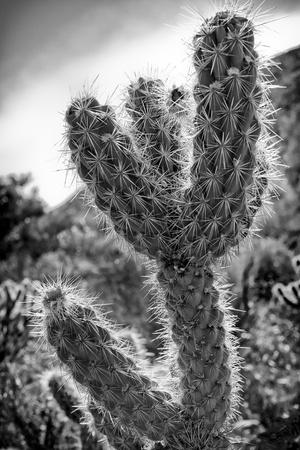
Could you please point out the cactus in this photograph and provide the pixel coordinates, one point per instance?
(185, 202)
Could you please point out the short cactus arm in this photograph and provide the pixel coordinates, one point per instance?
(119, 179)
(156, 130)
(109, 375)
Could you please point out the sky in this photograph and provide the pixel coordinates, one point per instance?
(51, 50)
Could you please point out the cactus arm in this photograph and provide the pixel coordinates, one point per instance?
(119, 180)
(226, 132)
(156, 131)
(110, 377)
(68, 401)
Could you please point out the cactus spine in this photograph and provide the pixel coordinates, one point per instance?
(138, 178)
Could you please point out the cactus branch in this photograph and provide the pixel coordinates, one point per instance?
(120, 181)
(110, 376)
(156, 131)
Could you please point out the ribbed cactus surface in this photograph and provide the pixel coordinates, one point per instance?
(184, 201)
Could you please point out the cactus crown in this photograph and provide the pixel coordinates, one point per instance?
(184, 201)
(167, 193)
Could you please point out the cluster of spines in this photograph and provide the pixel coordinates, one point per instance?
(155, 129)
(122, 183)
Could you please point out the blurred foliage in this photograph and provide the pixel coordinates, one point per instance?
(290, 292)
(15, 207)
(14, 319)
(254, 272)
(285, 222)
(270, 346)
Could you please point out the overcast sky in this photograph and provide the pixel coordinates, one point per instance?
(49, 49)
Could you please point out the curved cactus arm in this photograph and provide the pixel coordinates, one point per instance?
(83, 342)
(156, 130)
(219, 205)
(121, 182)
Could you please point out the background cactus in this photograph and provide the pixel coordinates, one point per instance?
(185, 202)
(14, 322)
(270, 262)
(290, 293)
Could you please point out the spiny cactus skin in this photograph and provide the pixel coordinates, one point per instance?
(270, 262)
(184, 202)
(66, 397)
(85, 344)
(296, 264)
